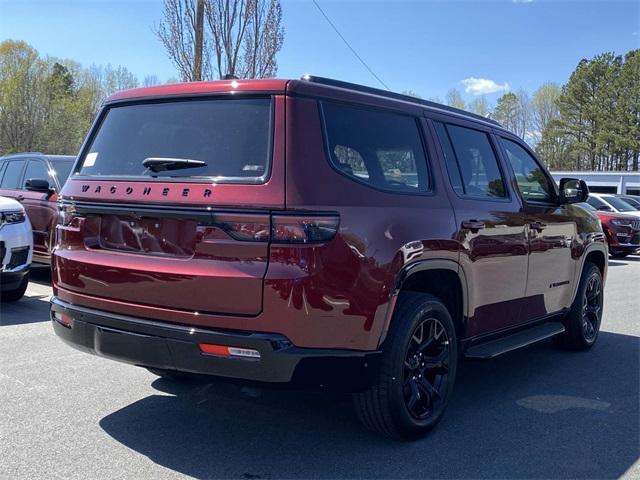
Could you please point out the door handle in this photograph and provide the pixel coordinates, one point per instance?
(19, 198)
(537, 226)
(473, 225)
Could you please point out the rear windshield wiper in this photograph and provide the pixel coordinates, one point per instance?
(161, 164)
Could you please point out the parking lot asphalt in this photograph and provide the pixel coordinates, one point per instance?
(537, 413)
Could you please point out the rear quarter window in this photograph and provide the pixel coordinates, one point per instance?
(378, 148)
(232, 136)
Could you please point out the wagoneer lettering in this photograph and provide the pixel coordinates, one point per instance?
(357, 239)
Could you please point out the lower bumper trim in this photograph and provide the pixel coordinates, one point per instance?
(154, 344)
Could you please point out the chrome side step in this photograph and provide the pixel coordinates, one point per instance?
(496, 347)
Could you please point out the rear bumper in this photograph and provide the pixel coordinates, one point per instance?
(155, 344)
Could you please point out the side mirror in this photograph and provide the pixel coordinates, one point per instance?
(573, 190)
(38, 185)
(605, 208)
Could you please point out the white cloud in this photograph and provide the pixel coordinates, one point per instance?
(480, 86)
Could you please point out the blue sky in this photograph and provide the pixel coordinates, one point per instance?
(425, 46)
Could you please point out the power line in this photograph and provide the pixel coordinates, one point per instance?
(350, 47)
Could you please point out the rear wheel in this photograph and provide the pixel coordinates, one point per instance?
(17, 293)
(582, 323)
(417, 371)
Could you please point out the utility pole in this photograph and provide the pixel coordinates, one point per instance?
(197, 56)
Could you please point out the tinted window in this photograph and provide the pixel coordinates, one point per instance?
(232, 136)
(379, 148)
(12, 174)
(532, 182)
(35, 170)
(471, 162)
(597, 203)
(620, 204)
(62, 170)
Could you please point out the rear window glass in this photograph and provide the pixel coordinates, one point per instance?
(382, 149)
(232, 136)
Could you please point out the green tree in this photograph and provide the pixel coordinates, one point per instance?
(506, 111)
(22, 99)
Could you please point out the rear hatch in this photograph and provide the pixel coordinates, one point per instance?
(169, 205)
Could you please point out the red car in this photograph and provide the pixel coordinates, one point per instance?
(34, 180)
(319, 233)
(622, 231)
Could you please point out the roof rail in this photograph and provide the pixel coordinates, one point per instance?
(398, 96)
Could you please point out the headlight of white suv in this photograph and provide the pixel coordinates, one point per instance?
(12, 217)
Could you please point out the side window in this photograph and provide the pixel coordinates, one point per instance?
(471, 162)
(12, 175)
(597, 203)
(533, 182)
(382, 149)
(35, 169)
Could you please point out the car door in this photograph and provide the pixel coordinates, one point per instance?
(491, 229)
(551, 229)
(12, 179)
(40, 211)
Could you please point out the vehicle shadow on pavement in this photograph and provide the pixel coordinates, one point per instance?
(540, 412)
(29, 309)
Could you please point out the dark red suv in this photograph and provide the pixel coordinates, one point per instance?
(319, 233)
(34, 179)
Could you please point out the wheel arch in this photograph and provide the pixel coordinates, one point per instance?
(442, 278)
(597, 254)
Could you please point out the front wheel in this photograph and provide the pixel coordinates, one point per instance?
(417, 371)
(582, 323)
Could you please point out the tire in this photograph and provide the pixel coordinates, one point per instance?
(390, 406)
(173, 375)
(17, 293)
(582, 323)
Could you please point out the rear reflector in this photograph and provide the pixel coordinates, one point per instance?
(64, 319)
(304, 228)
(225, 351)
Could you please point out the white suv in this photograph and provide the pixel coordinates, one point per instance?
(610, 203)
(16, 250)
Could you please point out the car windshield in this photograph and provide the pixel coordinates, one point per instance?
(619, 204)
(588, 206)
(62, 169)
(231, 136)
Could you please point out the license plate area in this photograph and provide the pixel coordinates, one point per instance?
(173, 237)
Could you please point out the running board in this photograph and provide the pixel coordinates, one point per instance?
(514, 341)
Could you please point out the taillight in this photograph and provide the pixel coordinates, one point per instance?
(248, 228)
(303, 228)
(66, 214)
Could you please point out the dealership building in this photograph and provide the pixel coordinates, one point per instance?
(606, 182)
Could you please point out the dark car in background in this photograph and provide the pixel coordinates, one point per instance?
(34, 179)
